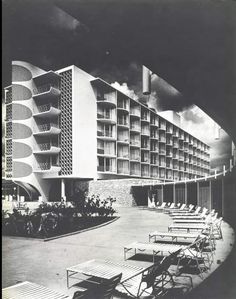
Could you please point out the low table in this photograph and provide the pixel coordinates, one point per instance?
(29, 290)
(104, 269)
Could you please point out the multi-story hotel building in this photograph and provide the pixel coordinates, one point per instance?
(67, 125)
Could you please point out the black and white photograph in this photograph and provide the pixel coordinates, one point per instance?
(118, 149)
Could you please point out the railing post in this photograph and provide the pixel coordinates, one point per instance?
(215, 173)
(223, 170)
(230, 165)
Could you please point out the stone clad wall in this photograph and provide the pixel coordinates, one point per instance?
(118, 189)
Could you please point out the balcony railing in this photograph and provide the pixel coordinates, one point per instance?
(135, 128)
(47, 127)
(106, 168)
(47, 146)
(122, 122)
(105, 134)
(145, 132)
(45, 166)
(135, 142)
(102, 151)
(123, 156)
(105, 116)
(106, 100)
(135, 111)
(162, 139)
(162, 152)
(135, 158)
(162, 164)
(123, 170)
(154, 149)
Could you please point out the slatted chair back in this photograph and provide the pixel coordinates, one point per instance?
(198, 209)
(160, 268)
(199, 243)
(183, 206)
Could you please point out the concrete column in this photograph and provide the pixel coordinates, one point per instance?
(63, 190)
(174, 197)
(198, 203)
(18, 193)
(210, 194)
(185, 194)
(162, 194)
(223, 197)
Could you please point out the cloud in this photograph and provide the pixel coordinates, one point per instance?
(125, 89)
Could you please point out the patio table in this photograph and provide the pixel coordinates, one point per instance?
(29, 290)
(104, 270)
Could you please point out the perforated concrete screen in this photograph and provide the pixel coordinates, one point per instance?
(65, 139)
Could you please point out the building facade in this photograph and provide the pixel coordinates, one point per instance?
(67, 126)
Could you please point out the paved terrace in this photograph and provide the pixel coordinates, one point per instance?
(45, 263)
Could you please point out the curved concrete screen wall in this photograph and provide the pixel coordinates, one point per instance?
(20, 73)
(21, 150)
(20, 131)
(20, 93)
(21, 169)
(20, 112)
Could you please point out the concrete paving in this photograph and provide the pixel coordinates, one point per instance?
(45, 263)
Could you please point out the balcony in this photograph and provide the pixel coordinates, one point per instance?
(47, 149)
(47, 167)
(106, 102)
(145, 132)
(162, 164)
(123, 170)
(162, 152)
(154, 136)
(169, 142)
(176, 167)
(134, 159)
(176, 157)
(181, 158)
(134, 112)
(154, 149)
(123, 107)
(106, 118)
(135, 143)
(169, 154)
(175, 145)
(107, 168)
(47, 130)
(46, 111)
(144, 118)
(162, 127)
(124, 156)
(154, 123)
(162, 139)
(186, 149)
(123, 123)
(106, 135)
(145, 147)
(169, 130)
(46, 92)
(135, 172)
(135, 128)
(169, 165)
(123, 140)
(103, 152)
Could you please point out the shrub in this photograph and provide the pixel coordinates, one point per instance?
(54, 218)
